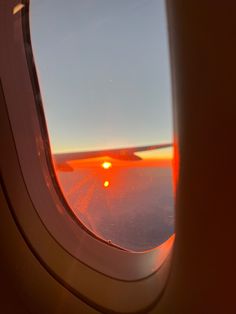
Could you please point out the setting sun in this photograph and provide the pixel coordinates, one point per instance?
(106, 165)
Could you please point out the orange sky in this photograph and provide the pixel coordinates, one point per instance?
(97, 162)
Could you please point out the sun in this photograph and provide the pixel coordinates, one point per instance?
(106, 165)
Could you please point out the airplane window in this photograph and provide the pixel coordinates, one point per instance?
(104, 73)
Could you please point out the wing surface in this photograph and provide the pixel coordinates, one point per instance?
(128, 153)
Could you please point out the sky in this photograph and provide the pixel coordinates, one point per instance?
(104, 72)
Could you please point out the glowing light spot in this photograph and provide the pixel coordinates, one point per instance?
(106, 184)
(18, 8)
(106, 165)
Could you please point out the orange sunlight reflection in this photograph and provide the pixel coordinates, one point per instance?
(115, 199)
(106, 165)
(106, 184)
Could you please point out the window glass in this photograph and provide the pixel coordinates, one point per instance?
(104, 73)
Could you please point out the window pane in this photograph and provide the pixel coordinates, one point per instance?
(103, 68)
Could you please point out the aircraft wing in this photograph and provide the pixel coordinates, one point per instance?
(128, 153)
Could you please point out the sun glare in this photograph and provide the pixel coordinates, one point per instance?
(106, 184)
(106, 165)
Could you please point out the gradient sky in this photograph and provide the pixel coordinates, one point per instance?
(103, 68)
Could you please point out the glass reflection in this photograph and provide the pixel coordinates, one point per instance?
(130, 204)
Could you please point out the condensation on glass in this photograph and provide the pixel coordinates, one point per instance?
(104, 73)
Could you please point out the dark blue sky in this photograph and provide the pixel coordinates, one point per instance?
(104, 72)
